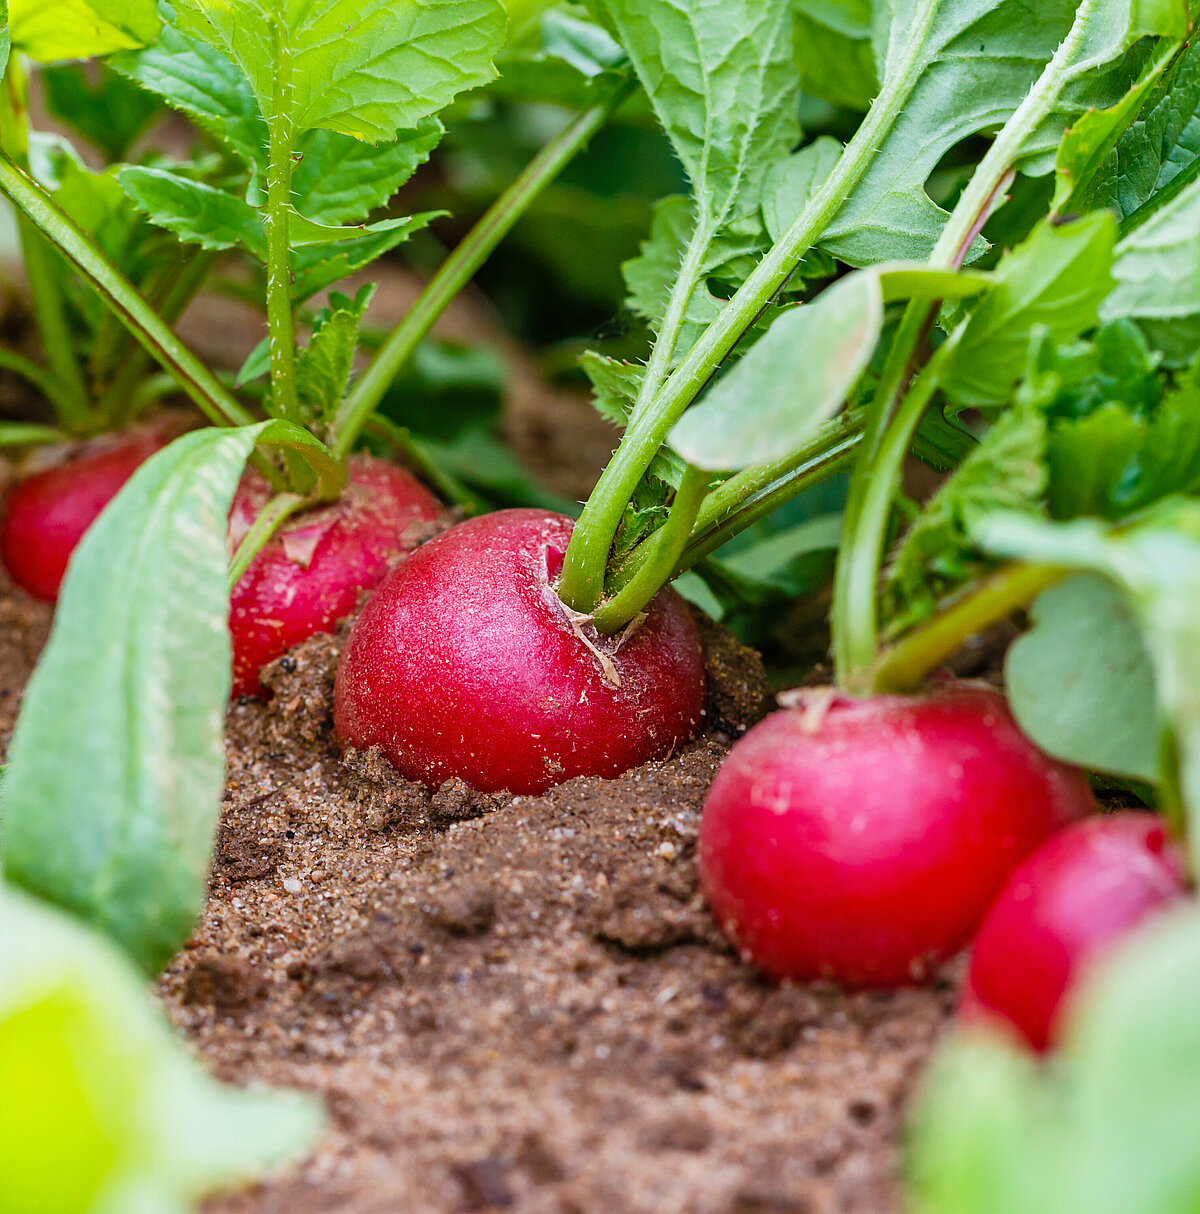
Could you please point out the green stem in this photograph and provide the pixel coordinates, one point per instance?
(70, 397)
(904, 665)
(193, 377)
(854, 616)
(462, 265)
(587, 555)
(273, 515)
(285, 401)
(744, 499)
(30, 434)
(878, 469)
(640, 584)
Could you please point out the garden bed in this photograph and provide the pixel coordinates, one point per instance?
(516, 1002)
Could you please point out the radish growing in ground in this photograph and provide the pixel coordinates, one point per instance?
(862, 839)
(464, 663)
(1061, 910)
(312, 571)
(47, 513)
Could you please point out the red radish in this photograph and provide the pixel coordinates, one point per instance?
(1062, 909)
(862, 840)
(465, 663)
(47, 513)
(312, 571)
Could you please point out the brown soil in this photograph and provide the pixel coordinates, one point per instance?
(515, 1003)
(521, 1003)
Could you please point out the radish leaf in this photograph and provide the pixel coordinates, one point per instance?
(80, 29)
(136, 674)
(1080, 682)
(101, 1107)
(366, 70)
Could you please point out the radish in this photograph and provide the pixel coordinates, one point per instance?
(1065, 906)
(464, 663)
(47, 513)
(312, 571)
(862, 840)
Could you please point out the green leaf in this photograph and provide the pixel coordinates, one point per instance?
(1157, 564)
(80, 29)
(101, 1107)
(794, 378)
(1157, 266)
(1088, 458)
(721, 79)
(197, 213)
(341, 180)
(1006, 471)
(791, 182)
(1056, 280)
(5, 37)
(564, 60)
(975, 62)
(1086, 152)
(318, 266)
(324, 365)
(615, 385)
(110, 114)
(1080, 682)
(366, 70)
(136, 675)
(1158, 154)
(198, 80)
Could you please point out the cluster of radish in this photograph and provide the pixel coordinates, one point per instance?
(859, 840)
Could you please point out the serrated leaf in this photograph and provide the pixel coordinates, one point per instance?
(1080, 682)
(80, 29)
(101, 1107)
(1088, 458)
(323, 366)
(136, 674)
(1156, 563)
(1086, 151)
(1157, 266)
(615, 385)
(341, 180)
(197, 79)
(794, 378)
(366, 70)
(720, 78)
(1158, 154)
(110, 114)
(1056, 281)
(938, 553)
(791, 182)
(318, 266)
(197, 213)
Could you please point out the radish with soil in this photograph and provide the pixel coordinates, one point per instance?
(1066, 906)
(47, 513)
(313, 570)
(464, 663)
(863, 839)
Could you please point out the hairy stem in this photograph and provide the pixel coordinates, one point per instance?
(587, 556)
(461, 266)
(282, 339)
